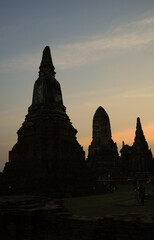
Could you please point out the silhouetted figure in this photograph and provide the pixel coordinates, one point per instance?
(137, 199)
(141, 195)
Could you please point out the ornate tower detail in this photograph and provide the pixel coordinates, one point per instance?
(47, 92)
(137, 159)
(102, 155)
(141, 158)
(47, 156)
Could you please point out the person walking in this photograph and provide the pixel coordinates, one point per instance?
(141, 195)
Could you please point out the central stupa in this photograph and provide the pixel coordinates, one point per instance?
(102, 153)
(47, 156)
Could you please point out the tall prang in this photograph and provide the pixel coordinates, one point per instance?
(137, 159)
(102, 154)
(47, 156)
(141, 158)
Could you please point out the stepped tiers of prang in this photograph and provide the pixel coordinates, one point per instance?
(47, 156)
(137, 159)
(103, 158)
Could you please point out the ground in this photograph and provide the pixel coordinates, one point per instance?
(121, 201)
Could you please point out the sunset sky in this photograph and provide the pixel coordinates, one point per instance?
(103, 52)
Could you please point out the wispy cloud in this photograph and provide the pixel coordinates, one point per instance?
(144, 21)
(95, 93)
(111, 94)
(139, 93)
(22, 62)
(131, 36)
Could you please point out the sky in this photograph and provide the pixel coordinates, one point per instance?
(103, 52)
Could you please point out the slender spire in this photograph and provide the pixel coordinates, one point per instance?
(46, 65)
(138, 127)
(140, 142)
(139, 130)
(47, 91)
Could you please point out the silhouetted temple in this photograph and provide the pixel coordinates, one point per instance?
(102, 154)
(47, 156)
(137, 160)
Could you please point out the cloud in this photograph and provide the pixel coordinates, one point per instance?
(113, 94)
(131, 36)
(94, 93)
(139, 93)
(26, 61)
(149, 20)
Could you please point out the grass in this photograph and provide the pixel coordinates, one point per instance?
(110, 203)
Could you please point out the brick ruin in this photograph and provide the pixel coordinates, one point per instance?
(137, 160)
(47, 161)
(47, 156)
(103, 158)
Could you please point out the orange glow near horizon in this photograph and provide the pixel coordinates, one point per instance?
(126, 135)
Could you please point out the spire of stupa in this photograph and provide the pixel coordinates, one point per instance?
(138, 125)
(47, 158)
(140, 141)
(46, 65)
(47, 91)
(102, 153)
(139, 131)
